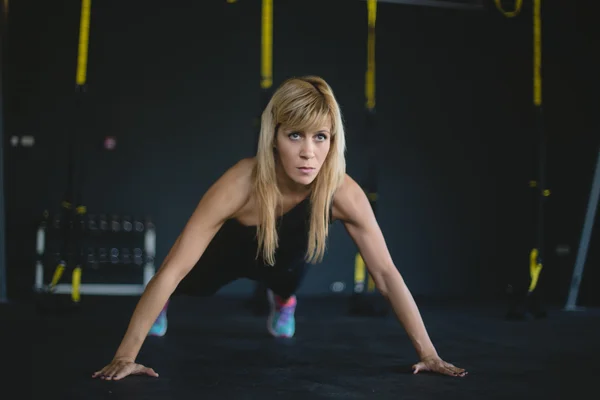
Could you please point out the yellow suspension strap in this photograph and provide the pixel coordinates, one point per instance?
(360, 271)
(74, 215)
(370, 107)
(258, 300)
(266, 60)
(361, 275)
(81, 80)
(536, 254)
(266, 70)
(84, 35)
(510, 14)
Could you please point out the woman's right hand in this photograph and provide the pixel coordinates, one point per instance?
(120, 368)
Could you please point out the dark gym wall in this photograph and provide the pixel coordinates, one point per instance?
(571, 102)
(178, 87)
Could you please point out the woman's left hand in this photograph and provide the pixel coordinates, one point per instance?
(436, 364)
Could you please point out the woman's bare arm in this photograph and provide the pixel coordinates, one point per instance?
(222, 200)
(352, 207)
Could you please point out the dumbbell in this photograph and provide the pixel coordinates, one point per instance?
(138, 256)
(115, 223)
(138, 226)
(127, 225)
(103, 223)
(126, 256)
(92, 261)
(92, 224)
(114, 255)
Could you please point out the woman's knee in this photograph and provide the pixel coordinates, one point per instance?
(285, 281)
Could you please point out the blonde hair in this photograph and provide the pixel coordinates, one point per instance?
(299, 103)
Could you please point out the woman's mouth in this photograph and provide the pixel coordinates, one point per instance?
(306, 170)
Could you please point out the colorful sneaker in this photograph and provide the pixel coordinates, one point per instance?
(281, 321)
(159, 328)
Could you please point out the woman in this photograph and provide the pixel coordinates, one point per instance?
(267, 218)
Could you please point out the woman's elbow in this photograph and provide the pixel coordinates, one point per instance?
(175, 268)
(169, 277)
(383, 279)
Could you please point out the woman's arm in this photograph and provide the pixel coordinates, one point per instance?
(352, 207)
(223, 200)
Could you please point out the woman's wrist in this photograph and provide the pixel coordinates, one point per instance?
(425, 353)
(124, 358)
(129, 348)
(429, 356)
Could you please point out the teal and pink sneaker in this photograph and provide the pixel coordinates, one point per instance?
(281, 321)
(159, 328)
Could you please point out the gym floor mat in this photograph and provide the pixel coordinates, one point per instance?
(216, 349)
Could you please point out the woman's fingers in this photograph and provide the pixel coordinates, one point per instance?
(456, 370)
(446, 370)
(110, 372)
(133, 369)
(148, 371)
(450, 369)
(103, 373)
(99, 373)
(122, 373)
(114, 369)
(440, 367)
(117, 370)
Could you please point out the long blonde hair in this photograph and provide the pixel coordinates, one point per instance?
(300, 103)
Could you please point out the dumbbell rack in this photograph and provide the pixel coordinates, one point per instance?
(110, 267)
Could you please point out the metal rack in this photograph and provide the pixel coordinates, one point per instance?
(110, 267)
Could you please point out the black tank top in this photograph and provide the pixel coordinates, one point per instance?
(237, 244)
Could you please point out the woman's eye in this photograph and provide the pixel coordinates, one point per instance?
(294, 135)
(321, 137)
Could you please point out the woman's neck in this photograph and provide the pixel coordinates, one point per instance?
(288, 187)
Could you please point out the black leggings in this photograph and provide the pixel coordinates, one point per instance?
(206, 279)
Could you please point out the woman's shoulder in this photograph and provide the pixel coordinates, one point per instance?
(243, 169)
(348, 200)
(347, 189)
(238, 177)
(233, 190)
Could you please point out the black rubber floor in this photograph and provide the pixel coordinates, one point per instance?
(216, 349)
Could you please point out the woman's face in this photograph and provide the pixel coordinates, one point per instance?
(302, 154)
